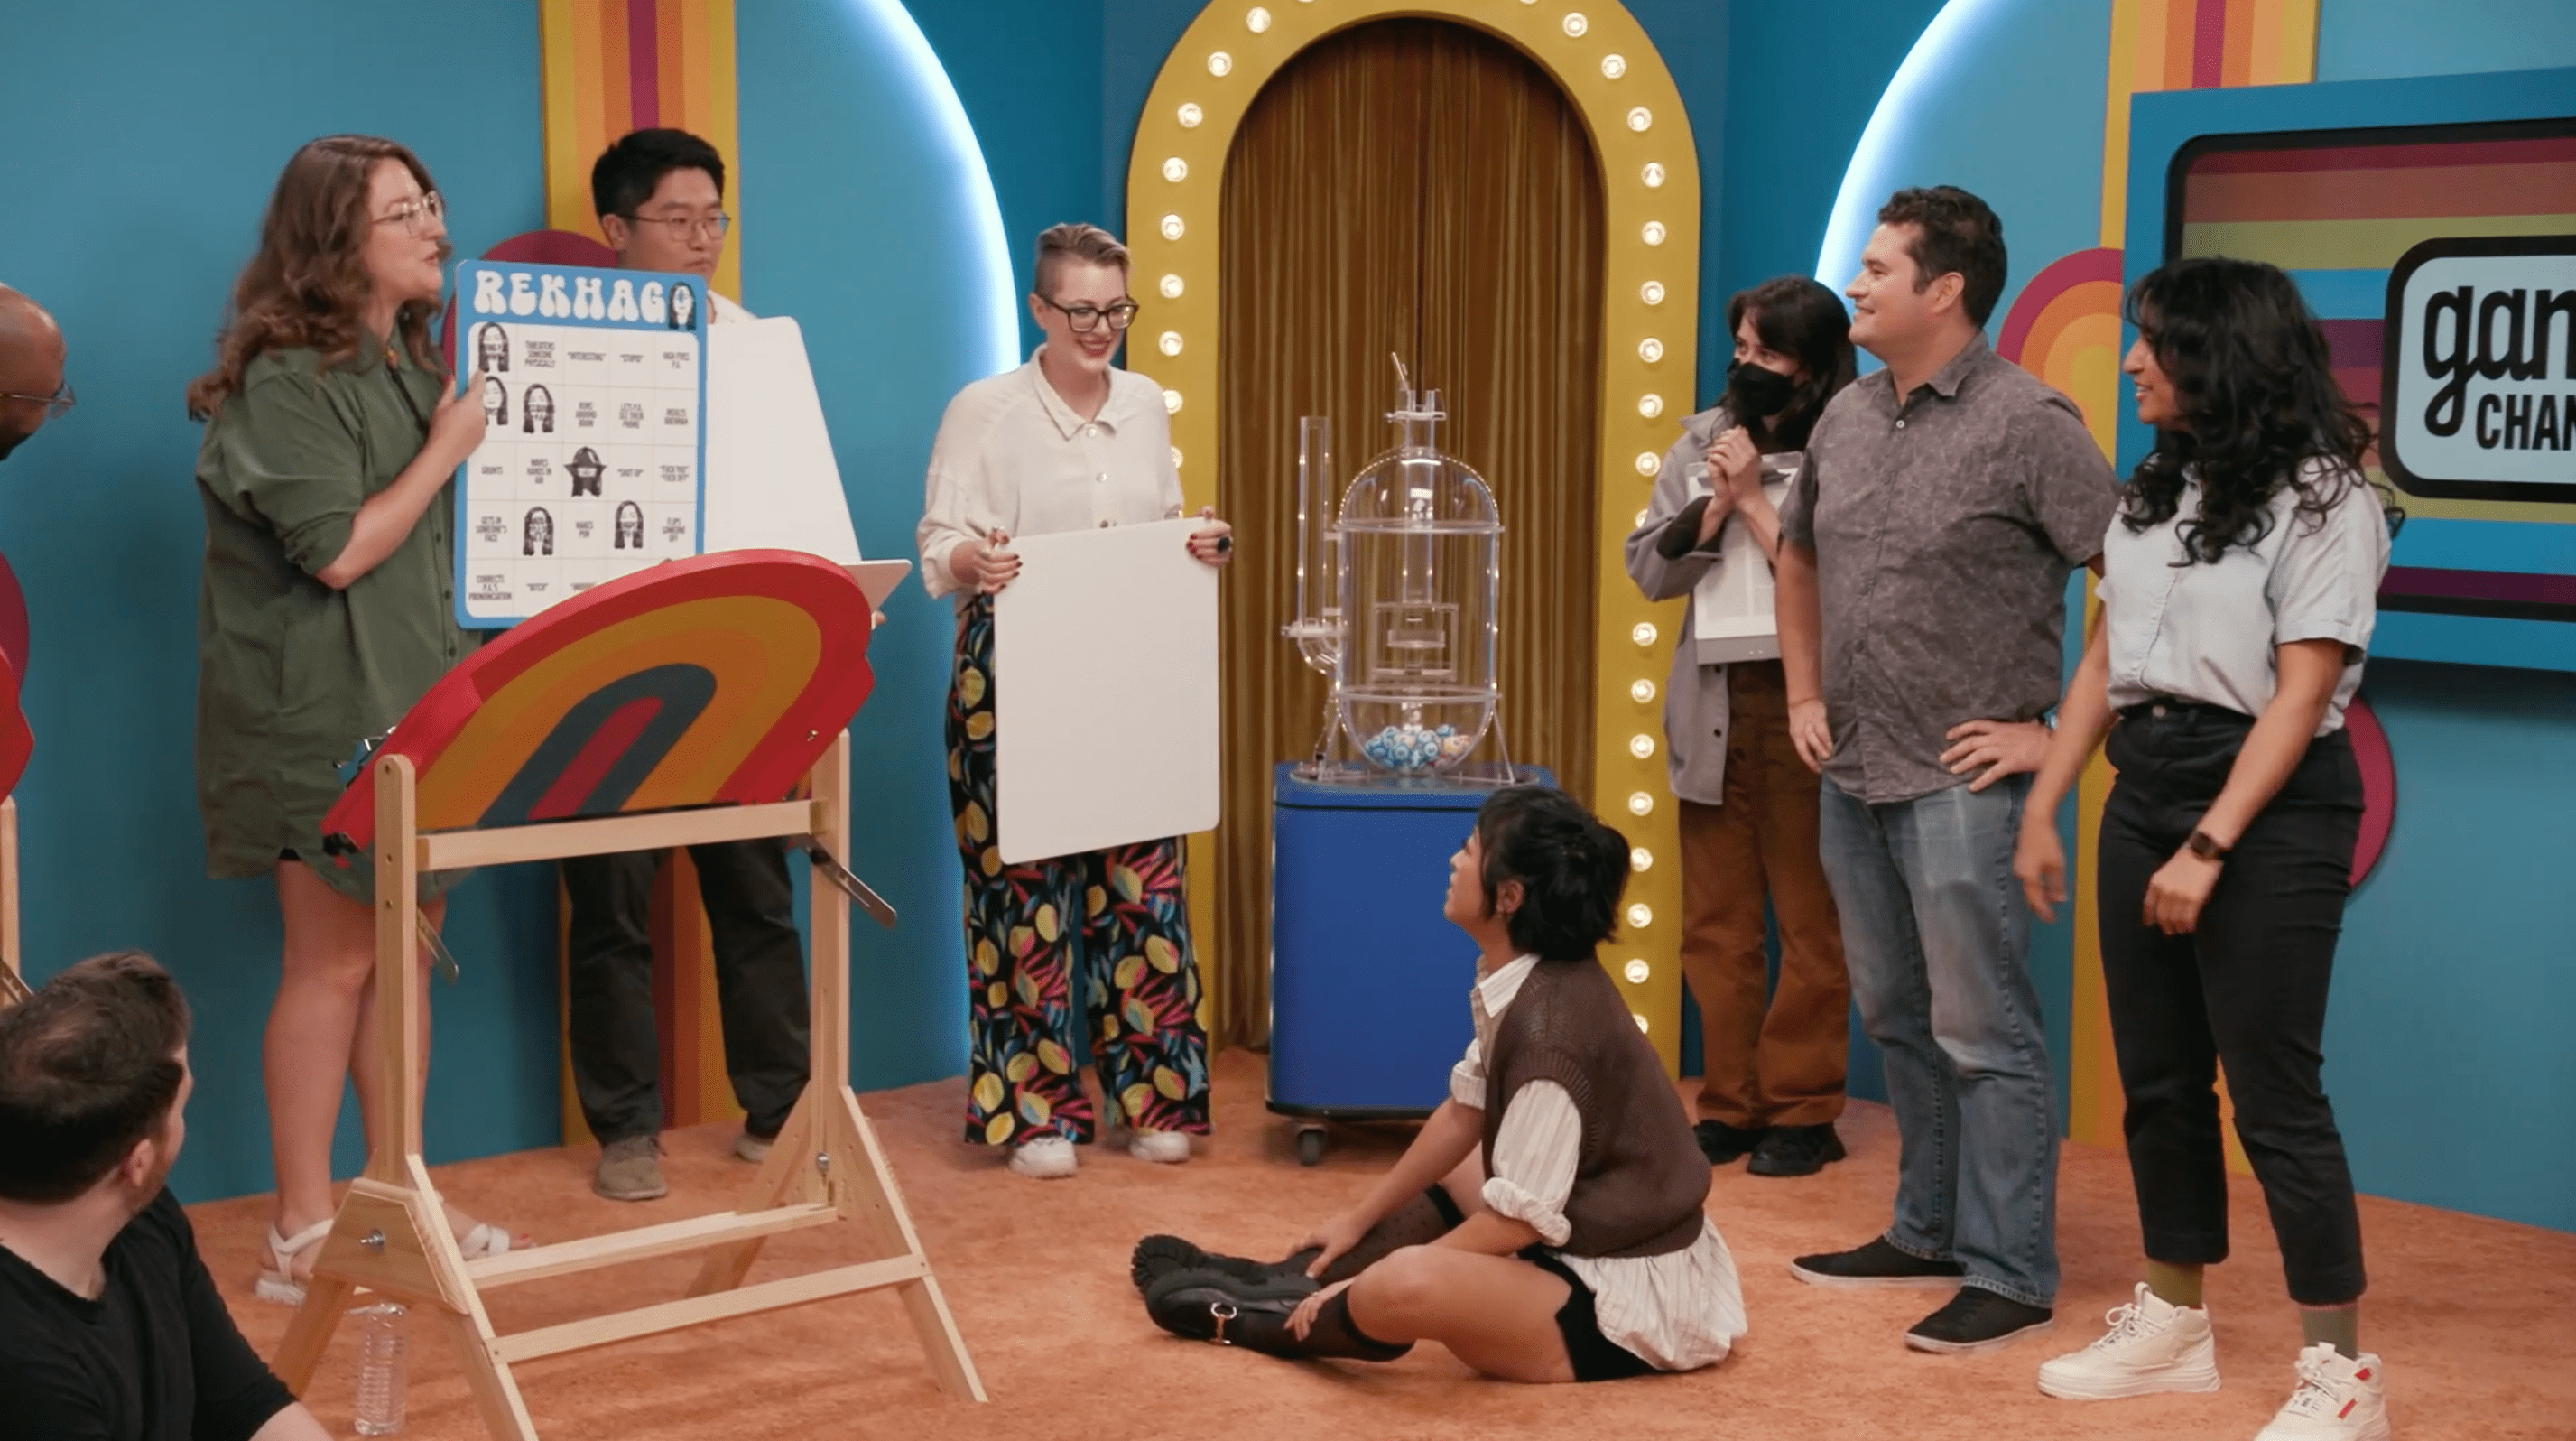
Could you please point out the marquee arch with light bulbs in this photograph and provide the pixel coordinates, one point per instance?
(1599, 56)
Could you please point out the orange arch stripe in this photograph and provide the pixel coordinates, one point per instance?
(591, 96)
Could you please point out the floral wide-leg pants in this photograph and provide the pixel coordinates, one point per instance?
(1114, 923)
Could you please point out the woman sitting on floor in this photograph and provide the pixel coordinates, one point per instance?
(1546, 1224)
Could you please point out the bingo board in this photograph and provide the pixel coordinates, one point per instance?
(593, 387)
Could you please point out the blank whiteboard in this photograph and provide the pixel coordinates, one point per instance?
(1104, 692)
(772, 483)
(1732, 606)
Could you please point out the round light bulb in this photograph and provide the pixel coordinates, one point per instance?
(1172, 228)
(1256, 19)
(1171, 402)
(1169, 343)
(1650, 350)
(1613, 66)
(1652, 292)
(1640, 1018)
(1649, 464)
(1644, 634)
(1640, 915)
(1642, 692)
(1575, 24)
(1640, 859)
(1176, 457)
(1220, 63)
(1641, 119)
(1637, 971)
(1171, 287)
(1653, 175)
(1640, 520)
(1650, 405)
(1176, 169)
(1640, 803)
(1653, 234)
(1191, 115)
(1641, 745)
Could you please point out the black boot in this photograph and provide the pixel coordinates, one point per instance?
(1158, 1256)
(1210, 1306)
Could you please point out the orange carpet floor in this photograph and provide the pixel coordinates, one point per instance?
(2471, 1315)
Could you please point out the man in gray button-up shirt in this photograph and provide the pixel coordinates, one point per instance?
(1925, 552)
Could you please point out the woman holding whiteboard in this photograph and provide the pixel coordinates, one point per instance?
(1772, 1074)
(325, 611)
(1066, 442)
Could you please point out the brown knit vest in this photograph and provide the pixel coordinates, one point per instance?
(1640, 1180)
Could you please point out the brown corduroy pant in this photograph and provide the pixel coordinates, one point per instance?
(1781, 1064)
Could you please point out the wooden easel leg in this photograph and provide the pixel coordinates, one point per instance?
(309, 1334)
(496, 1393)
(787, 1178)
(864, 1186)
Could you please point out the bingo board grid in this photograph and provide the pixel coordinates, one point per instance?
(590, 466)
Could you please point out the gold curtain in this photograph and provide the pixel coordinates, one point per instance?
(1416, 188)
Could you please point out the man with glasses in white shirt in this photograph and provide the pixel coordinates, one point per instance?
(32, 390)
(660, 199)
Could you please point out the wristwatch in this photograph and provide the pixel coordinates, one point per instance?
(2204, 846)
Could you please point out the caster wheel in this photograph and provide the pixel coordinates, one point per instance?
(1310, 1145)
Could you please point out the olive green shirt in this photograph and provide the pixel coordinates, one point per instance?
(292, 674)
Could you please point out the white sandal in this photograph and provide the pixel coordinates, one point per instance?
(481, 1240)
(277, 1283)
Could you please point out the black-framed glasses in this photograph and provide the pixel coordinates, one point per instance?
(417, 217)
(1087, 318)
(55, 404)
(681, 227)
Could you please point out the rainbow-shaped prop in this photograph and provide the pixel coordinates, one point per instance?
(717, 679)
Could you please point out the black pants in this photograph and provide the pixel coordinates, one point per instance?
(2247, 991)
(760, 984)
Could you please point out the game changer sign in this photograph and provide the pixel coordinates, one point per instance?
(2478, 388)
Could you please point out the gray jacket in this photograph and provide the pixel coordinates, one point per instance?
(1695, 708)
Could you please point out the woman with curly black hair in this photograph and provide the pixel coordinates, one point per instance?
(2238, 596)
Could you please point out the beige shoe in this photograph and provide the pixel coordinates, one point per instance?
(754, 1149)
(631, 1170)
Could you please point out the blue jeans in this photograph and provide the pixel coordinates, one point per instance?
(1937, 934)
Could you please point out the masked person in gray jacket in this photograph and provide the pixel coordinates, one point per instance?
(1772, 1075)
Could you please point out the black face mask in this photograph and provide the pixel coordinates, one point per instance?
(1756, 393)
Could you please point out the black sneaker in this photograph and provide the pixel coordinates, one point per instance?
(1876, 1264)
(1723, 1143)
(1976, 1320)
(1796, 1150)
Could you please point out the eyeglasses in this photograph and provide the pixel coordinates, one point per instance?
(55, 404)
(683, 226)
(418, 217)
(1086, 318)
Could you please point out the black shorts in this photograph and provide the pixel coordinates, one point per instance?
(1596, 1357)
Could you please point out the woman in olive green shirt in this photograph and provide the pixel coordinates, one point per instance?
(325, 610)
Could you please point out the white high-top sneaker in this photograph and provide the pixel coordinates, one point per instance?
(2152, 1346)
(2338, 1399)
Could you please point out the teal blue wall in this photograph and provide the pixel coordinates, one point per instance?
(148, 136)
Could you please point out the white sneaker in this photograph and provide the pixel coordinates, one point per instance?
(2339, 1399)
(1048, 1158)
(2153, 1346)
(1163, 1148)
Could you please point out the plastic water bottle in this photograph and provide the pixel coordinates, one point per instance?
(380, 1368)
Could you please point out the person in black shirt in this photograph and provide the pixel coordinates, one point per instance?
(110, 1328)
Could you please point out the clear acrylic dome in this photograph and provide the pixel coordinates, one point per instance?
(1420, 556)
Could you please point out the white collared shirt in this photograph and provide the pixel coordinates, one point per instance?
(1012, 456)
(721, 308)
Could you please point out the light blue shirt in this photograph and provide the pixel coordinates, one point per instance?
(2206, 632)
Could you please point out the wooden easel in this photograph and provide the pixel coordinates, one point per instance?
(391, 1234)
(13, 974)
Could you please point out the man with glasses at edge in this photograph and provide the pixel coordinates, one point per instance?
(660, 199)
(32, 390)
